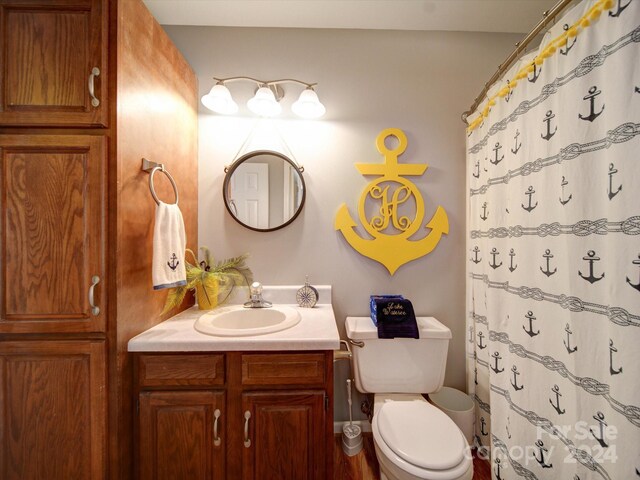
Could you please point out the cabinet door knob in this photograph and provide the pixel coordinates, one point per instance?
(216, 439)
(95, 310)
(95, 72)
(247, 441)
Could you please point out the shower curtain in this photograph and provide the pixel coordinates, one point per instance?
(553, 237)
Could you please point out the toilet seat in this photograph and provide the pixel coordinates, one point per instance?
(421, 440)
(421, 434)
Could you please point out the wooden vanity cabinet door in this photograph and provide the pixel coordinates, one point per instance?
(53, 410)
(48, 51)
(176, 435)
(287, 434)
(52, 233)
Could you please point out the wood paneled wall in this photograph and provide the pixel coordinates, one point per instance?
(156, 118)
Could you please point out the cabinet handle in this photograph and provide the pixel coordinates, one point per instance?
(95, 72)
(247, 441)
(95, 310)
(216, 439)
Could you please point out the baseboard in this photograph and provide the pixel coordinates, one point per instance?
(363, 424)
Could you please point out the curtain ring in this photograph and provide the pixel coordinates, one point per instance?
(151, 187)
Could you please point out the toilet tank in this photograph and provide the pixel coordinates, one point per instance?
(399, 365)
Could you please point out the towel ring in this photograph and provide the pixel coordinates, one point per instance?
(173, 183)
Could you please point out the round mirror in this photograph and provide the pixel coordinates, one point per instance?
(264, 190)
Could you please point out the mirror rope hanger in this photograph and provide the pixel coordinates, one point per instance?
(247, 146)
(265, 102)
(242, 150)
(288, 150)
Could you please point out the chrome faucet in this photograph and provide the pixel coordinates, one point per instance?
(255, 297)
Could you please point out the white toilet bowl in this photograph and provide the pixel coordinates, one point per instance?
(415, 440)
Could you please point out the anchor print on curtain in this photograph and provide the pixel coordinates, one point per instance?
(553, 255)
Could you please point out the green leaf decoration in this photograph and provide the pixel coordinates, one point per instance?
(229, 273)
(174, 299)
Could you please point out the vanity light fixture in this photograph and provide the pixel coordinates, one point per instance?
(308, 105)
(219, 100)
(266, 100)
(264, 103)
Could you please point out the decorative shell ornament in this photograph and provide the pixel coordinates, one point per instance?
(307, 296)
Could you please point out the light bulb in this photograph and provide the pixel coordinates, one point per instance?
(219, 100)
(308, 105)
(264, 103)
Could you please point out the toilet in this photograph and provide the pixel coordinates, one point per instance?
(413, 439)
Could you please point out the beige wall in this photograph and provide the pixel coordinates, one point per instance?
(369, 80)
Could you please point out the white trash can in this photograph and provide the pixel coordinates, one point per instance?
(459, 406)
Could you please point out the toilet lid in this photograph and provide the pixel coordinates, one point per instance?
(421, 434)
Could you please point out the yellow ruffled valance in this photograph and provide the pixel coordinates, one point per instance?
(574, 30)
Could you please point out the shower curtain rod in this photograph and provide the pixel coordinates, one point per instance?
(547, 17)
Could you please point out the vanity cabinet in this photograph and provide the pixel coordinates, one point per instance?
(181, 425)
(262, 416)
(54, 63)
(285, 435)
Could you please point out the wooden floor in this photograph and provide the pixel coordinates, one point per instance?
(364, 465)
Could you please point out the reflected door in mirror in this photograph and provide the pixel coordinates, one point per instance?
(250, 194)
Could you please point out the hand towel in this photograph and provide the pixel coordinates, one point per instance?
(396, 319)
(169, 245)
(373, 307)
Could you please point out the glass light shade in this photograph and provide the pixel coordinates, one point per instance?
(308, 105)
(219, 100)
(264, 103)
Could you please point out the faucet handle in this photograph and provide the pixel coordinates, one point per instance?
(255, 297)
(256, 288)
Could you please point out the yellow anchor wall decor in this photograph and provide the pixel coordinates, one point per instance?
(389, 192)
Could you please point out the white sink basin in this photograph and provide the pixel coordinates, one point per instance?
(237, 321)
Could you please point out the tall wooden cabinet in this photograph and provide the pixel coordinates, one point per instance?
(80, 85)
(53, 409)
(54, 205)
(55, 62)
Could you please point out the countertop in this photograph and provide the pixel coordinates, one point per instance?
(316, 330)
